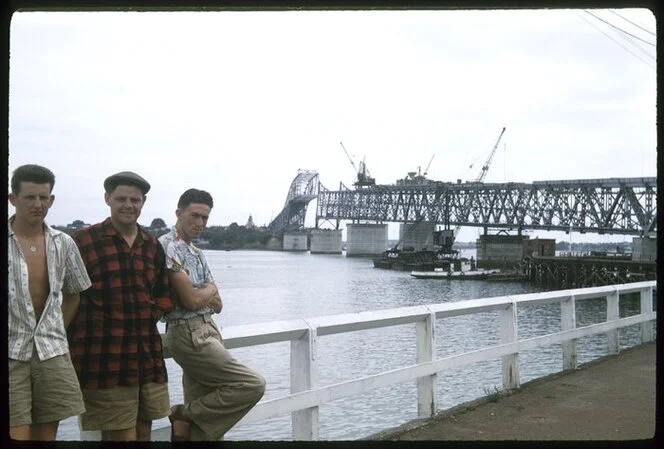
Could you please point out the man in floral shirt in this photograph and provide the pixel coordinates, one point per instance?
(218, 390)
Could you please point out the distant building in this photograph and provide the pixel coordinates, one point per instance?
(250, 223)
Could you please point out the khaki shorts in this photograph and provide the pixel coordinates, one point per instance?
(119, 408)
(43, 391)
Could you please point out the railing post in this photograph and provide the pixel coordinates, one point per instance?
(88, 435)
(646, 307)
(613, 313)
(568, 322)
(508, 334)
(426, 350)
(303, 377)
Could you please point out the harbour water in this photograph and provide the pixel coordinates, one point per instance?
(263, 286)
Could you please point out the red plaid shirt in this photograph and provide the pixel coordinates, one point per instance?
(113, 339)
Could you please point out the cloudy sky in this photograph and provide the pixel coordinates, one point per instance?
(236, 102)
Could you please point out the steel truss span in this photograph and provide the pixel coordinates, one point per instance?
(303, 189)
(606, 206)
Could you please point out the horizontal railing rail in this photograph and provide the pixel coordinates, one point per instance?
(306, 397)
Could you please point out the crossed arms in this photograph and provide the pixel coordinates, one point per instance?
(192, 298)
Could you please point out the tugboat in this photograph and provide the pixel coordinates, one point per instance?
(409, 259)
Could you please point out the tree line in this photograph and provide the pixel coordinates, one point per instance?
(229, 237)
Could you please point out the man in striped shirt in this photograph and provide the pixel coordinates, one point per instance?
(46, 275)
(115, 344)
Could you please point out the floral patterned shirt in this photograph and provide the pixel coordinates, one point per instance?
(183, 256)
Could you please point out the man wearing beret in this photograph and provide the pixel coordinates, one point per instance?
(114, 341)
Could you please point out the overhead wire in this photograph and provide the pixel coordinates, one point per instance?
(618, 28)
(635, 44)
(625, 48)
(636, 25)
(631, 41)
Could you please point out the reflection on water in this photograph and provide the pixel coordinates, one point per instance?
(267, 286)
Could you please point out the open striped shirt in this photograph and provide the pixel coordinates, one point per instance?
(114, 339)
(66, 273)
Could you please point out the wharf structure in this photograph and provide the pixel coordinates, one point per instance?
(588, 270)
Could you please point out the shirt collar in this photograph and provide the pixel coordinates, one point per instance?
(47, 228)
(110, 230)
(177, 237)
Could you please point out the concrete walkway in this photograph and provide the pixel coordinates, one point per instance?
(609, 399)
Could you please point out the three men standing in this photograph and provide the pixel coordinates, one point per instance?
(116, 377)
(46, 276)
(218, 390)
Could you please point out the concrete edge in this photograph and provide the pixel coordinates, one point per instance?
(471, 405)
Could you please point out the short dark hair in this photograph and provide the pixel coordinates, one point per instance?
(195, 196)
(32, 173)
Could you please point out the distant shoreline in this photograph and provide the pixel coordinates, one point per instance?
(237, 237)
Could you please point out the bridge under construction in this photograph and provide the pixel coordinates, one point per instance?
(623, 206)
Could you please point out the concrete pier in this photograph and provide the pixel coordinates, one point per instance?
(363, 240)
(295, 241)
(326, 241)
(418, 236)
(644, 248)
(273, 244)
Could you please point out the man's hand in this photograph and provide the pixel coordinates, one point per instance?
(216, 304)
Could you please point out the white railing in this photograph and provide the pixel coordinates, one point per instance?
(306, 397)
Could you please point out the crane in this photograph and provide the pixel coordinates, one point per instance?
(363, 177)
(487, 164)
(426, 170)
(348, 155)
(445, 237)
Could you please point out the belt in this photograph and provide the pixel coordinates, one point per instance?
(207, 318)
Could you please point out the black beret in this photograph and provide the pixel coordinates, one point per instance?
(126, 178)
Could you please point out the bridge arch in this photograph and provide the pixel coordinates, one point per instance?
(303, 189)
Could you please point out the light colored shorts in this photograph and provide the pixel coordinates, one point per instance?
(120, 407)
(43, 391)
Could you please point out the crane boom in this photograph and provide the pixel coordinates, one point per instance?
(348, 156)
(480, 177)
(487, 164)
(426, 170)
(364, 179)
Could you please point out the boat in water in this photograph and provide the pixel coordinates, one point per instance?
(465, 275)
(440, 255)
(409, 260)
(462, 269)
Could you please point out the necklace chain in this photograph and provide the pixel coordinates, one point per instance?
(33, 246)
